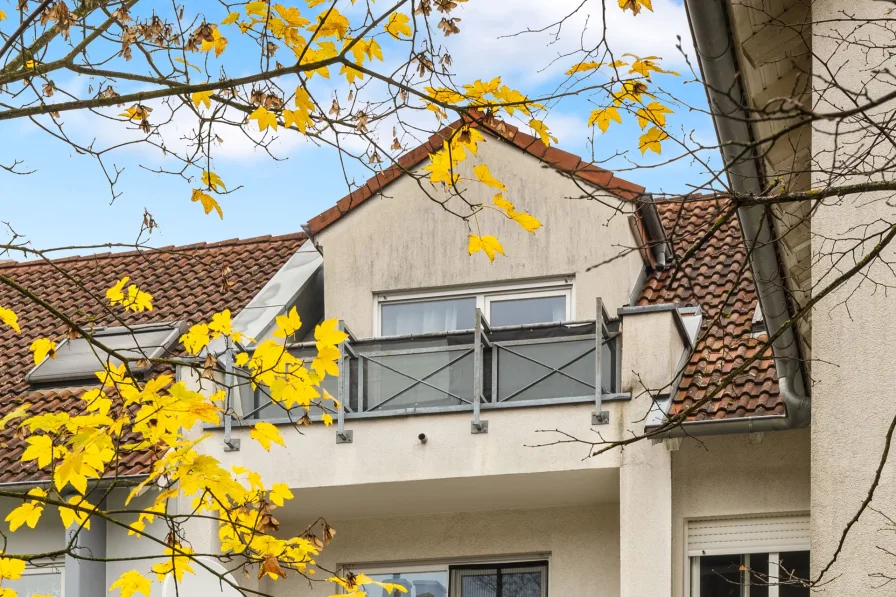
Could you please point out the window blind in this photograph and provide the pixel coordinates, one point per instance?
(748, 534)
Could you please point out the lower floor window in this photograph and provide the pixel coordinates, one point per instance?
(776, 574)
(518, 579)
(38, 581)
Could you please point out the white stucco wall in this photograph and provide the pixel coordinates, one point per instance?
(729, 476)
(581, 544)
(402, 240)
(852, 403)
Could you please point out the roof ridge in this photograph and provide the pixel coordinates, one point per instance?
(268, 238)
(561, 160)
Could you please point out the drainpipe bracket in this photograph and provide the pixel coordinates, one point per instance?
(346, 437)
(233, 445)
(600, 419)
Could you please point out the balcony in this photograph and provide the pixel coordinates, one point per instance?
(476, 370)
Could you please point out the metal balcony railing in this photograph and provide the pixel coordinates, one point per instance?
(468, 370)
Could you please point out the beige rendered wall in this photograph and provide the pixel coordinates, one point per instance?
(403, 240)
(581, 544)
(852, 400)
(730, 476)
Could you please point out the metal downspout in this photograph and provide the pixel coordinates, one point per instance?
(713, 43)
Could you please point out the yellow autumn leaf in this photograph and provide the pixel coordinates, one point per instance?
(16, 413)
(486, 178)
(327, 333)
(327, 419)
(542, 131)
(11, 569)
(487, 244)
(635, 5)
(208, 202)
(72, 516)
(231, 18)
(2, 15)
(265, 434)
(651, 140)
(288, 324)
(212, 180)
(43, 348)
(264, 118)
(527, 221)
(398, 25)
(218, 43)
(132, 582)
(202, 97)
(27, 514)
(587, 66)
(331, 23)
(257, 8)
(654, 113)
(280, 493)
(40, 448)
(9, 317)
(196, 338)
(603, 117)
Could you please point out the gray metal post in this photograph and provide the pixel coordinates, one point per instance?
(478, 425)
(343, 392)
(231, 444)
(85, 578)
(599, 416)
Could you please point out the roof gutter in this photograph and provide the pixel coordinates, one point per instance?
(655, 230)
(714, 45)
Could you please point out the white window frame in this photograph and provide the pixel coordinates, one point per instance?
(773, 571)
(484, 296)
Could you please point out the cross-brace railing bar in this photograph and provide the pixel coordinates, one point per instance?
(421, 380)
(552, 371)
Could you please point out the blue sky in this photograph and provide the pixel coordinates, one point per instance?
(67, 200)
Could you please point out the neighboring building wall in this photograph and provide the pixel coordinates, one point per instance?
(730, 476)
(581, 544)
(403, 240)
(853, 345)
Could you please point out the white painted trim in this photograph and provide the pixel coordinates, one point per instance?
(484, 295)
(442, 564)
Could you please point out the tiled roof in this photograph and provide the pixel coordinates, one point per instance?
(552, 156)
(188, 283)
(718, 279)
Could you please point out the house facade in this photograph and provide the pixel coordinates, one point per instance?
(466, 456)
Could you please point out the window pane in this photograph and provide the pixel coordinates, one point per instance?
(758, 573)
(527, 310)
(421, 317)
(43, 583)
(519, 580)
(523, 582)
(793, 569)
(418, 584)
(720, 576)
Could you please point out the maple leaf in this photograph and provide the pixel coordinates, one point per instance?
(202, 97)
(330, 23)
(398, 25)
(271, 567)
(11, 569)
(587, 66)
(280, 493)
(208, 202)
(651, 140)
(218, 43)
(603, 117)
(327, 419)
(527, 221)
(543, 132)
(196, 338)
(327, 333)
(488, 244)
(42, 348)
(27, 514)
(654, 112)
(212, 180)
(132, 582)
(644, 66)
(486, 178)
(635, 5)
(288, 324)
(72, 516)
(9, 317)
(231, 18)
(264, 118)
(264, 434)
(2, 15)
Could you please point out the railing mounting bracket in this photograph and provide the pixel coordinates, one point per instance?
(345, 437)
(233, 445)
(481, 427)
(600, 419)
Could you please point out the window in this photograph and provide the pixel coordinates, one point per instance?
(519, 579)
(78, 360)
(544, 302)
(38, 581)
(758, 556)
